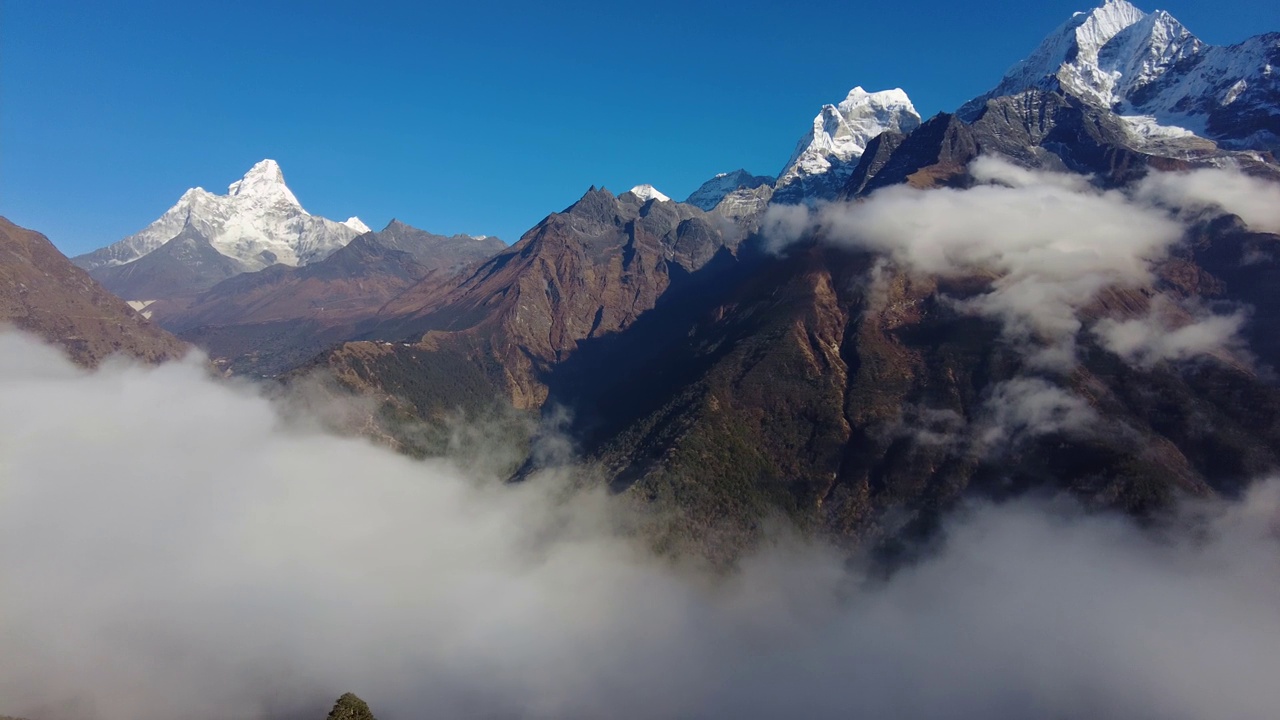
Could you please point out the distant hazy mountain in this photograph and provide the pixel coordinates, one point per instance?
(258, 223)
(280, 316)
(445, 253)
(42, 292)
(186, 264)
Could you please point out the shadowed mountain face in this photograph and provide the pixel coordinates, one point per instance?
(42, 292)
(727, 382)
(791, 384)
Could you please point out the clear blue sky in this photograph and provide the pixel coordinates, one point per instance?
(469, 116)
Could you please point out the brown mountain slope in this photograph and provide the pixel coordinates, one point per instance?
(792, 388)
(726, 383)
(730, 384)
(42, 292)
(587, 272)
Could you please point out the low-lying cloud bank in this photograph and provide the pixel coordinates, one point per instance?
(1051, 242)
(172, 546)
(1255, 201)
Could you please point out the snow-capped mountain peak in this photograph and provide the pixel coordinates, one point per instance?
(258, 222)
(824, 158)
(265, 181)
(1158, 76)
(357, 224)
(1070, 54)
(710, 193)
(647, 192)
(1144, 51)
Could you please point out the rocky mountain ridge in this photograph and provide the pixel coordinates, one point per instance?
(714, 191)
(832, 386)
(43, 293)
(1157, 76)
(708, 368)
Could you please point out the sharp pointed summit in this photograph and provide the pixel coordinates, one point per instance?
(1070, 55)
(824, 158)
(647, 192)
(259, 222)
(1163, 81)
(263, 174)
(264, 181)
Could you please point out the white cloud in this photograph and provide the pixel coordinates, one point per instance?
(1256, 201)
(172, 546)
(784, 224)
(1170, 333)
(1050, 242)
(1025, 407)
(995, 170)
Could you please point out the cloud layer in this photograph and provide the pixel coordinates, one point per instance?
(1169, 332)
(1050, 244)
(173, 546)
(1255, 201)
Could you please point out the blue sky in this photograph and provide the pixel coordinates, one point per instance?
(475, 116)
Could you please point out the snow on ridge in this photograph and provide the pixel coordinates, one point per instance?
(258, 222)
(1148, 68)
(1074, 47)
(710, 193)
(357, 224)
(826, 156)
(647, 192)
